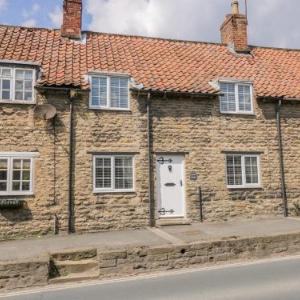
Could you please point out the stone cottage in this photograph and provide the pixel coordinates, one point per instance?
(106, 131)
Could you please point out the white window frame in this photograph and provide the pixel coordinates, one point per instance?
(113, 189)
(236, 89)
(245, 185)
(12, 85)
(108, 96)
(10, 156)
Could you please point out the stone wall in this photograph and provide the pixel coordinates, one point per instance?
(109, 132)
(196, 127)
(187, 125)
(21, 131)
(139, 260)
(17, 275)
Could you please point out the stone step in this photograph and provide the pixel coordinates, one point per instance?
(75, 277)
(75, 255)
(173, 222)
(70, 267)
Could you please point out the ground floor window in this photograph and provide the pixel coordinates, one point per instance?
(113, 173)
(16, 173)
(243, 170)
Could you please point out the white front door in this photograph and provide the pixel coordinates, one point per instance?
(170, 186)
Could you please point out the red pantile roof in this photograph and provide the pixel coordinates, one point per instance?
(159, 64)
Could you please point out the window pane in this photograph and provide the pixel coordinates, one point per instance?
(28, 85)
(5, 95)
(28, 96)
(26, 186)
(19, 74)
(123, 173)
(3, 175)
(16, 175)
(19, 96)
(19, 84)
(115, 97)
(17, 164)
(28, 74)
(26, 164)
(3, 186)
(244, 98)
(99, 91)
(16, 186)
(234, 170)
(3, 164)
(6, 72)
(26, 175)
(227, 100)
(119, 92)
(103, 173)
(6, 84)
(251, 170)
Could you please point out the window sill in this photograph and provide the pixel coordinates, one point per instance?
(110, 109)
(16, 102)
(251, 187)
(238, 113)
(16, 194)
(114, 192)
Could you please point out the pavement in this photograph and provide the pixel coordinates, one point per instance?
(39, 247)
(273, 279)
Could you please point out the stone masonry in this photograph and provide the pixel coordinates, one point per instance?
(179, 125)
(122, 262)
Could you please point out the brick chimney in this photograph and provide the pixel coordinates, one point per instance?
(72, 19)
(234, 29)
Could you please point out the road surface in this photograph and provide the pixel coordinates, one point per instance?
(270, 279)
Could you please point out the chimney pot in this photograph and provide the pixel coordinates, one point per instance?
(235, 7)
(72, 19)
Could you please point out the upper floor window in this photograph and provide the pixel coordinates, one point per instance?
(110, 92)
(236, 98)
(243, 170)
(17, 84)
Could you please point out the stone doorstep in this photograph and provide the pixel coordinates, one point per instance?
(173, 222)
(120, 262)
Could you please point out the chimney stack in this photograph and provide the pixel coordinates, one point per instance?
(72, 19)
(234, 29)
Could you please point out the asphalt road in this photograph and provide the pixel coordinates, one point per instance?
(273, 279)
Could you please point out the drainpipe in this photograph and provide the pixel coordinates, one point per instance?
(280, 149)
(150, 163)
(71, 228)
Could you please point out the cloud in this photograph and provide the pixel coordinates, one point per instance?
(3, 4)
(56, 17)
(30, 22)
(271, 22)
(33, 10)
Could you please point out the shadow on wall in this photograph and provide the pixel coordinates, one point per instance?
(16, 215)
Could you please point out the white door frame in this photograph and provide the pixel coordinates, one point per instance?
(158, 186)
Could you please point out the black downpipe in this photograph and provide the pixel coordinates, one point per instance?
(150, 162)
(200, 204)
(280, 149)
(71, 228)
(54, 159)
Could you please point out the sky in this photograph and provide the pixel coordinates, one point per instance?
(274, 23)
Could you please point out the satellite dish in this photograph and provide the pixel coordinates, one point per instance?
(45, 111)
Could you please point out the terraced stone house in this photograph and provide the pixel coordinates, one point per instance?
(106, 131)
